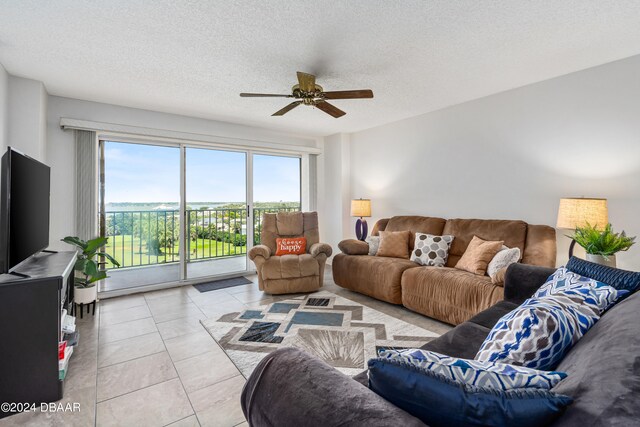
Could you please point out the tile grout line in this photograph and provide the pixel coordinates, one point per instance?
(164, 344)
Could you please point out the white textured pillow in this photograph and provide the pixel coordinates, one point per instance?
(374, 244)
(504, 258)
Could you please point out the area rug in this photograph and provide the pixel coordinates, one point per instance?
(222, 284)
(343, 333)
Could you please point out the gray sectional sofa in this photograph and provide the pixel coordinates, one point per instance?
(292, 388)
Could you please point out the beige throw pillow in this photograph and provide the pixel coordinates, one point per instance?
(504, 258)
(394, 244)
(478, 255)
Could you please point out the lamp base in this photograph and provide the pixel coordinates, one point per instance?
(361, 229)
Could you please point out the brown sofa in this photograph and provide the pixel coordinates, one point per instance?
(443, 293)
(290, 273)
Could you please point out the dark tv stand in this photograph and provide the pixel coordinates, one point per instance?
(30, 329)
(48, 251)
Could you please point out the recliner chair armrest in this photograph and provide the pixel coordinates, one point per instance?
(320, 248)
(521, 281)
(260, 250)
(354, 247)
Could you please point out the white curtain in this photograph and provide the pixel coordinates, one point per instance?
(86, 184)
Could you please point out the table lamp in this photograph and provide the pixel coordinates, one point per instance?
(361, 208)
(578, 212)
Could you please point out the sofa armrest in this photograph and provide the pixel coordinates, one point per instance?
(522, 280)
(354, 247)
(292, 388)
(259, 250)
(320, 248)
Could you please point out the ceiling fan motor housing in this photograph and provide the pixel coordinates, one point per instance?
(308, 98)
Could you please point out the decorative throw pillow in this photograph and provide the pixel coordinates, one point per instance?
(394, 244)
(431, 250)
(374, 244)
(614, 277)
(540, 332)
(597, 294)
(478, 254)
(291, 245)
(494, 375)
(439, 401)
(503, 259)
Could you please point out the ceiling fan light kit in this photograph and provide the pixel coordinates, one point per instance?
(307, 92)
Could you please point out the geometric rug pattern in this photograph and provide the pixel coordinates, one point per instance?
(343, 333)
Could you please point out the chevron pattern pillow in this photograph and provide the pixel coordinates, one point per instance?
(596, 294)
(492, 375)
(540, 332)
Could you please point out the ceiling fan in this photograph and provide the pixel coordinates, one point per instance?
(307, 92)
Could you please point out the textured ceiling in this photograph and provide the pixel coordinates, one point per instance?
(194, 57)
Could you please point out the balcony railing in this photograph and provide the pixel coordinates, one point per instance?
(140, 238)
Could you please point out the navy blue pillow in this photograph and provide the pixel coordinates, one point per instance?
(439, 401)
(614, 277)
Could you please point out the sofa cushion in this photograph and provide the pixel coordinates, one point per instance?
(378, 277)
(416, 224)
(394, 244)
(604, 370)
(441, 402)
(540, 247)
(478, 255)
(289, 223)
(513, 233)
(463, 341)
(619, 279)
(448, 294)
(290, 266)
(489, 317)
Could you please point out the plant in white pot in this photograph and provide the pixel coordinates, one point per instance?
(602, 245)
(87, 268)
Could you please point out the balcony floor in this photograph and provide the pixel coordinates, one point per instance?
(133, 277)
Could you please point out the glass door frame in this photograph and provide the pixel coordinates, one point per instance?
(305, 201)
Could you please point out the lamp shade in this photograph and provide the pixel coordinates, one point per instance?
(575, 212)
(361, 207)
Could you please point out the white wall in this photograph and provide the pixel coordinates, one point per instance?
(61, 146)
(27, 105)
(334, 194)
(4, 109)
(513, 155)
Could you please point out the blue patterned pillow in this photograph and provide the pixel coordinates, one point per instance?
(597, 294)
(439, 401)
(614, 277)
(493, 375)
(540, 332)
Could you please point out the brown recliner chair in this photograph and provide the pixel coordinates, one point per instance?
(290, 273)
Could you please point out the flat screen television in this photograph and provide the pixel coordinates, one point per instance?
(24, 208)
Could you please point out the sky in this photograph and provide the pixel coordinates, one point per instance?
(138, 173)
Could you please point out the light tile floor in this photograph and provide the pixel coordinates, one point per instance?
(145, 360)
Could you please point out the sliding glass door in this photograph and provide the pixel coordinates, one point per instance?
(139, 213)
(179, 212)
(216, 212)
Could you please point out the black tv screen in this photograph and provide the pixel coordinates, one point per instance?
(24, 208)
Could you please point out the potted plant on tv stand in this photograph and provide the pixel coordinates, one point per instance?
(87, 267)
(602, 245)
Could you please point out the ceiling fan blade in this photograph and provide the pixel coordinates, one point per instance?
(349, 94)
(330, 109)
(264, 95)
(307, 82)
(286, 109)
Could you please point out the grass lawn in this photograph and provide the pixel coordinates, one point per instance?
(129, 251)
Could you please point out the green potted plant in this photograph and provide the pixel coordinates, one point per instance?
(602, 245)
(87, 269)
